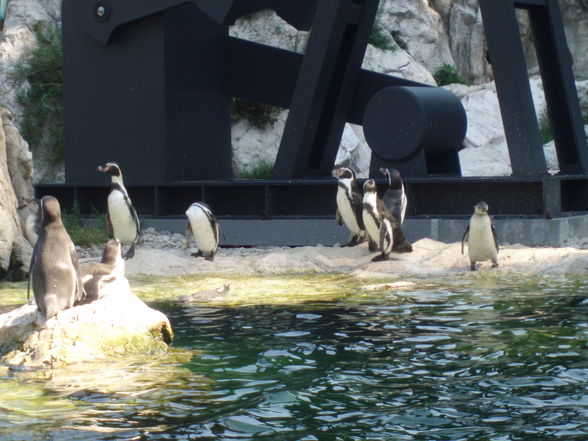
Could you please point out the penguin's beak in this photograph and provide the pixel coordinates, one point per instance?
(384, 171)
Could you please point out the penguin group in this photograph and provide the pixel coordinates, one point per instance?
(369, 217)
(60, 282)
(379, 220)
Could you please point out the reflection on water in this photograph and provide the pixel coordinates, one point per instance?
(447, 360)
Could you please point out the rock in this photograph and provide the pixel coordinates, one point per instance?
(10, 233)
(18, 158)
(117, 324)
(419, 29)
(396, 62)
(18, 38)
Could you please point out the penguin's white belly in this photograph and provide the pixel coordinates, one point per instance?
(203, 232)
(371, 226)
(346, 211)
(30, 231)
(121, 218)
(481, 244)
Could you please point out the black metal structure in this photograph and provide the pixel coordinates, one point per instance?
(148, 84)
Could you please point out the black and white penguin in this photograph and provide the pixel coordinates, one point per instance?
(123, 221)
(32, 220)
(383, 230)
(206, 231)
(97, 275)
(481, 237)
(349, 205)
(394, 197)
(54, 271)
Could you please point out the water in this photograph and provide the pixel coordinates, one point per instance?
(475, 359)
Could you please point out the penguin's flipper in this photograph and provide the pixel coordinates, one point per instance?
(465, 237)
(33, 255)
(338, 217)
(80, 293)
(187, 234)
(495, 237)
(135, 217)
(109, 227)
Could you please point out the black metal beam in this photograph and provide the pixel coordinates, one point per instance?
(512, 85)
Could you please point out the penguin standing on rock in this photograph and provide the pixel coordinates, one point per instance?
(349, 205)
(481, 237)
(54, 270)
(394, 198)
(123, 222)
(206, 231)
(383, 229)
(97, 275)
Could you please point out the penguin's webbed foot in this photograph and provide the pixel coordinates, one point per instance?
(196, 254)
(210, 257)
(130, 253)
(406, 247)
(380, 258)
(494, 263)
(473, 266)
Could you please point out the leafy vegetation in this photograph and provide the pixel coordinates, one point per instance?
(81, 233)
(41, 79)
(261, 115)
(381, 39)
(545, 132)
(263, 170)
(448, 75)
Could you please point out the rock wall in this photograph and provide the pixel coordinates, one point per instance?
(15, 182)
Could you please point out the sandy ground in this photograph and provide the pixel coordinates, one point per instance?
(428, 258)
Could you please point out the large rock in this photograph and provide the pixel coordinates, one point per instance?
(117, 324)
(15, 251)
(18, 158)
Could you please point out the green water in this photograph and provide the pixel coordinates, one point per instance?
(321, 357)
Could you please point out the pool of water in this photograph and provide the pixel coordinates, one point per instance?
(473, 359)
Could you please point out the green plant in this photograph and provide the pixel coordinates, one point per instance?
(545, 132)
(448, 75)
(263, 170)
(41, 74)
(82, 233)
(381, 39)
(261, 115)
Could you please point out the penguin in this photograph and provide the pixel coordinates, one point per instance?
(349, 205)
(96, 275)
(54, 270)
(394, 198)
(206, 230)
(383, 229)
(481, 237)
(123, 222)
(32, 222)
(208, 295)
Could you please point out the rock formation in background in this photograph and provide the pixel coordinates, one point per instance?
(15, 182)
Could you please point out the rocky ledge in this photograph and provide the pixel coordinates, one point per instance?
(117, 324)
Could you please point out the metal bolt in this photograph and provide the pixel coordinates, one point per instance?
(100, 11)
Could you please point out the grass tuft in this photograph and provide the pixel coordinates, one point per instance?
(448, 75)
(41, 96)
(263, 170)
(81, 233)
